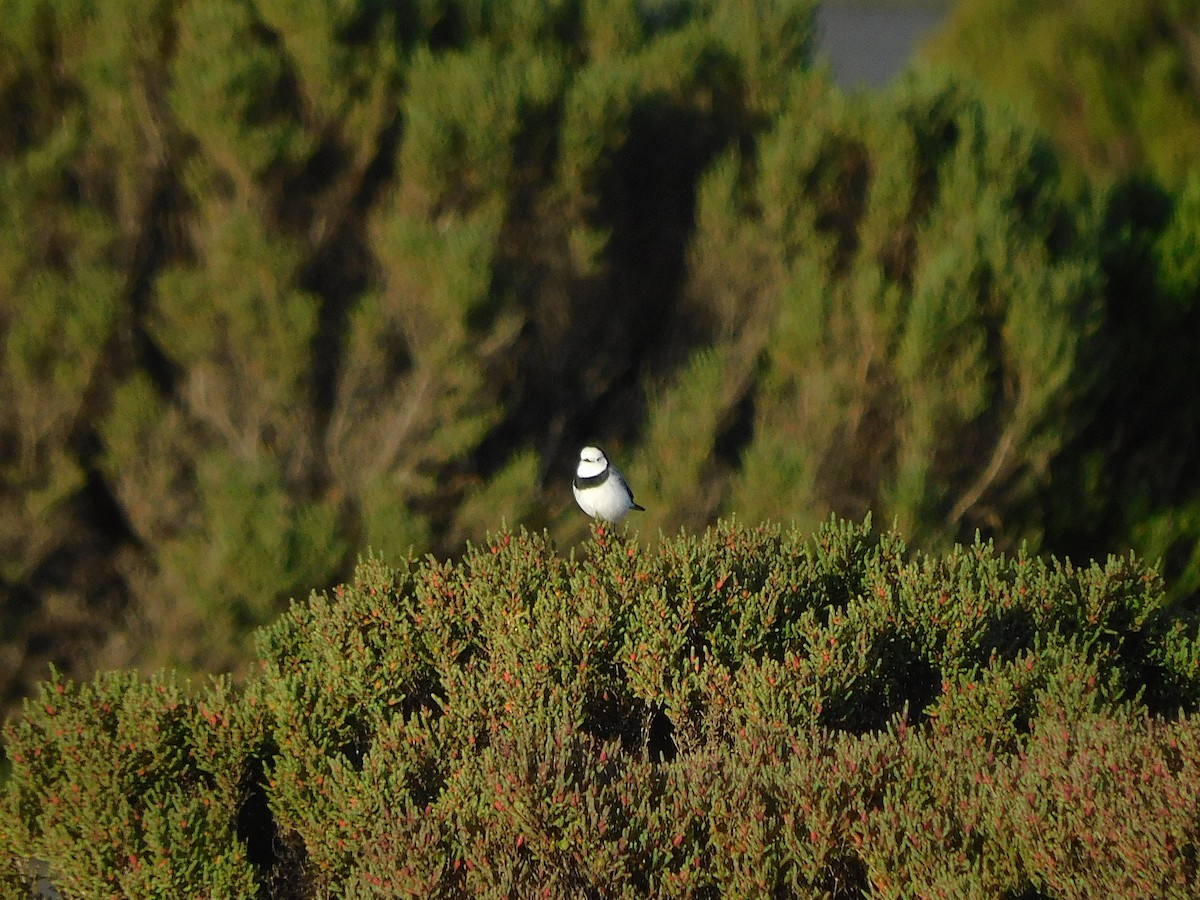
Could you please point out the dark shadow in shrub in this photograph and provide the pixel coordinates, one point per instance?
(1023, 714)
(423, 695)
(1030, 893)
(279, 860)
(357, 743)
(609, 717)
(289, 878)
(1165, 693)
(660, 742)
(1073, 624)
(256, 826)
(426, 784)
(846, 879)
(1006, 636)
(905, 681)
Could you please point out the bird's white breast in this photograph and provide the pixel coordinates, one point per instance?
(608, 501)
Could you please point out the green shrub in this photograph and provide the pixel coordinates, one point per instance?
(131, 788)
(901, 307)
(746, 712)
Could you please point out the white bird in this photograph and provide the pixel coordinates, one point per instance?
(600, 488)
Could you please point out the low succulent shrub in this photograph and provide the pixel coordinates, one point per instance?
(748, 712)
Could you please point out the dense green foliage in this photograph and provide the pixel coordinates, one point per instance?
(1117, 88)
(279, 283)
(899, 305)
(749, 711)
(1116, 84)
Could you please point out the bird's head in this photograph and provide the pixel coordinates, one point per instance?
(592, 461)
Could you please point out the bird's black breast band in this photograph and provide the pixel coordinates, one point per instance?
(591, 481)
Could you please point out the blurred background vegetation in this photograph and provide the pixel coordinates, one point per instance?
(279, 282)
